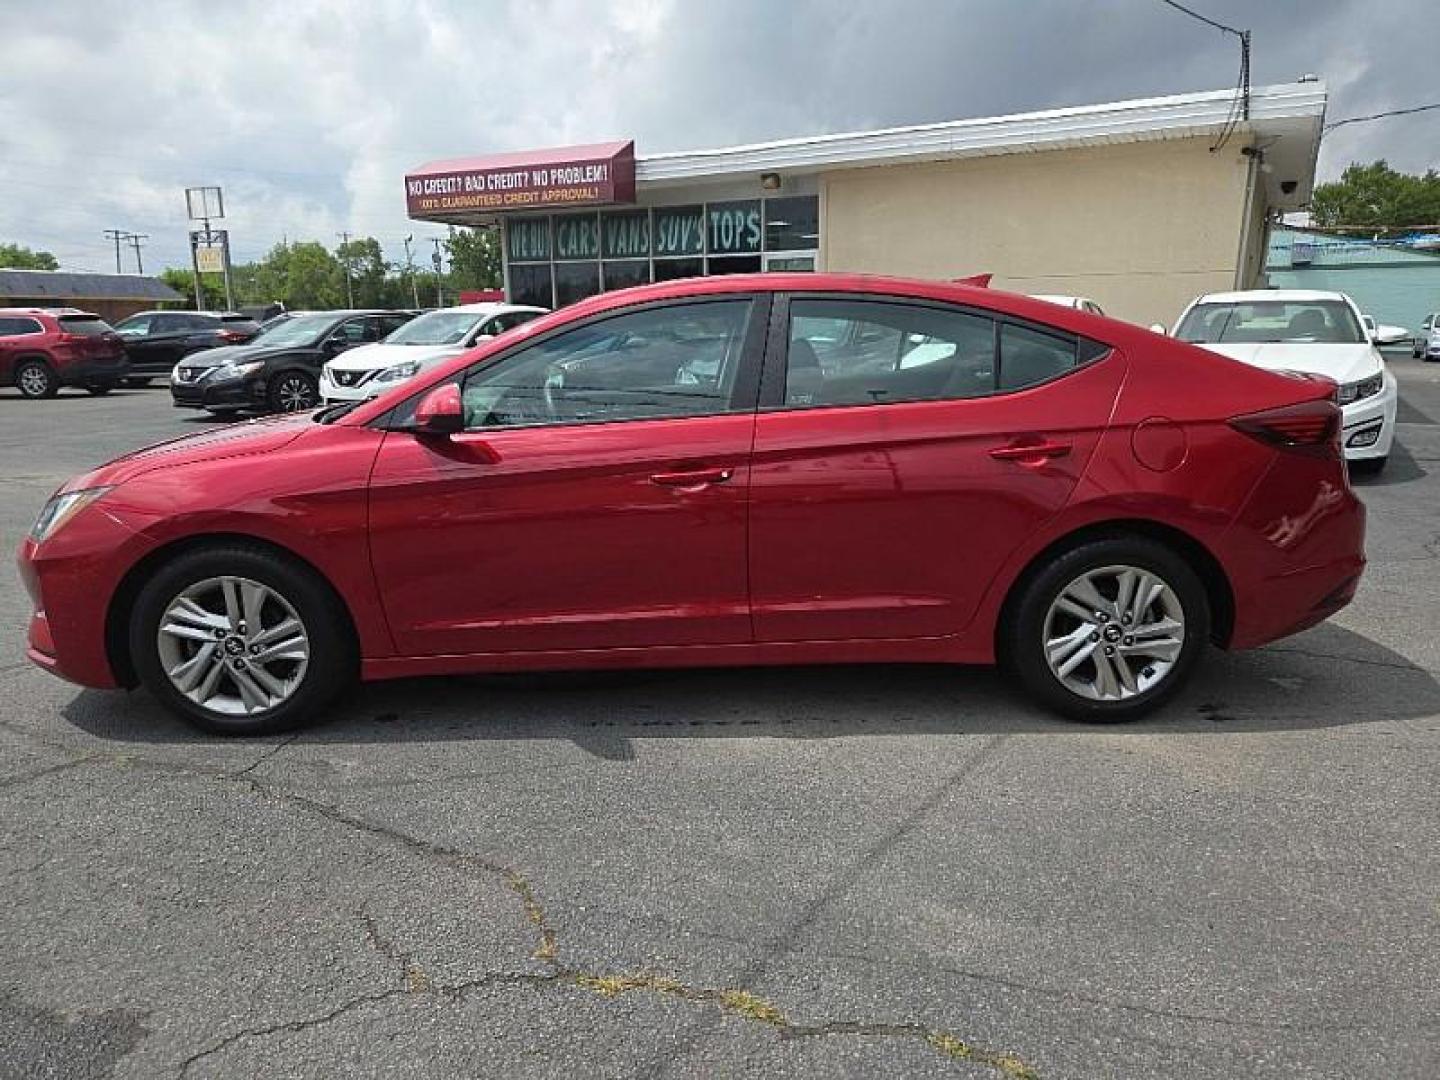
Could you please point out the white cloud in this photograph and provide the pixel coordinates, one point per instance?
(308, 112)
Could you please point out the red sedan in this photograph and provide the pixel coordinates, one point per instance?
(768, 469)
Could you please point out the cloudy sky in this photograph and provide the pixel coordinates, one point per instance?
(308, 112)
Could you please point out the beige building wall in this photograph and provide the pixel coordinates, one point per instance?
(1140, 228)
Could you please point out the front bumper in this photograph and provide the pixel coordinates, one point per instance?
(1368, 426)
(332, 391)
(243, 393)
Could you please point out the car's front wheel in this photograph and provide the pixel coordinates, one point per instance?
(241, 641)
(1109, 629)
(293, 391)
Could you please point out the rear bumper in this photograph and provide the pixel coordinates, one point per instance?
(1296, 552)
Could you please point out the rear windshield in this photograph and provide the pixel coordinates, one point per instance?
(1329, 322)
(88, 325)
(238, 318)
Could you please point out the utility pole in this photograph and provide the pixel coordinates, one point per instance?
(134, 239)
(436, 262)
(410, 270)
(118, 235)
(345, 261)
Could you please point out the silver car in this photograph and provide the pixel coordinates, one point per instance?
(1427, 345)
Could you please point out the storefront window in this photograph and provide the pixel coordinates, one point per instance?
(530, 284)
(734, 227)
(626, 235)
(577, 236)
(529, 239)
(679, 230)
(575, 281)
(792, 224)
(623, 274)
(735, 264)
(672, 269)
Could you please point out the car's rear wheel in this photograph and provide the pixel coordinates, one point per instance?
(241, 641)
(1109, 629)
(293, 391)
(34, 379)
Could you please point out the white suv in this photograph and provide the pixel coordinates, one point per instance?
(1321, 333)
(422, 343)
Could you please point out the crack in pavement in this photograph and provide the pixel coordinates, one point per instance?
(269, 753)
(48, 770)
(1349, 659)
(734, 1001)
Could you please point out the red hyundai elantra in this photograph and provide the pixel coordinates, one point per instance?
(768, 469)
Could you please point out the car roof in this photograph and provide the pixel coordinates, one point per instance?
(488, 307)
(1252, 296)
(56, 311)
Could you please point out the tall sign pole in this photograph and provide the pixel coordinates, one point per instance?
(410, 271)
(209, 248)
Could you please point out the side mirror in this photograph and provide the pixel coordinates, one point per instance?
(441, 412)
(1157, 328)
(336, 343)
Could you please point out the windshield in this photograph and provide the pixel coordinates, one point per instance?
(436, 328)
(1329, 322)
(297, 331)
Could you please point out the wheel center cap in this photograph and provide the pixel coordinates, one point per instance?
(234, 646)
(1112, 632)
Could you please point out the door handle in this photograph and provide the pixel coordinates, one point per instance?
(692, 478)
(1031, 453)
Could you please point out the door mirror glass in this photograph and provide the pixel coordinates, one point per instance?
(440, 411)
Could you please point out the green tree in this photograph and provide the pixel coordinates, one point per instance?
(182, 280)
(300, 275)
(19, 257)
(1375, 196)
(368, 271)
(474, 258)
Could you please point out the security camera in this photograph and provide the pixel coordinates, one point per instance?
(1288, 186)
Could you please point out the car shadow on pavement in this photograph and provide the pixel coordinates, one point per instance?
(1402, 468)
(1327, 677)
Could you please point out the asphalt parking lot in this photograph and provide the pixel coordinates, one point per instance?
(816, 872)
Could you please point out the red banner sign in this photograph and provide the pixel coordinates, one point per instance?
(568, 176)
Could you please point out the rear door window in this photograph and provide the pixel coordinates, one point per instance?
(87, 325)
(1029, 356)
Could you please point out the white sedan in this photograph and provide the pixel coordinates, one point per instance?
(370, 370)
(1079, 303)
(1320, 333)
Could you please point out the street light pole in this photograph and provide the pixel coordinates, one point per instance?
(345, 261)
(435, 261)
(410, 270)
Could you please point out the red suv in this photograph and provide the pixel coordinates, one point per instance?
(761, 469)
(43, 349)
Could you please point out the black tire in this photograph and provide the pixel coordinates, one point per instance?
(333, 664)
(1023, 639)
(137, 382)
(293, 391)
(35, 380)
(1369, 466)
(99, 389)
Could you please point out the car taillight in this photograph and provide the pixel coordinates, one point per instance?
(1311, 427)
(231, 336)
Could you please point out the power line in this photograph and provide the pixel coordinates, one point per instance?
(1381, 115)
(1207, 21)
(1240, 105)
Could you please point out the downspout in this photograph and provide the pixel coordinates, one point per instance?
(1253, 158)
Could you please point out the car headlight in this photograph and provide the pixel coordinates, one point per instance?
(223, 372)
(399, 371)
(1348, 393)
(61, 508)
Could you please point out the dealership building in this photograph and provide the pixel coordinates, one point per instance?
(1139, 205)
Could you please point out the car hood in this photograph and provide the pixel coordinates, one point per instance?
(375, 357)
(235, 440)
(1343, 363)
(237, 354)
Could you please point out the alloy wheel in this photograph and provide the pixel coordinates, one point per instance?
(296, 394)
(1114, 633)
(33, 381)
(233, 646)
